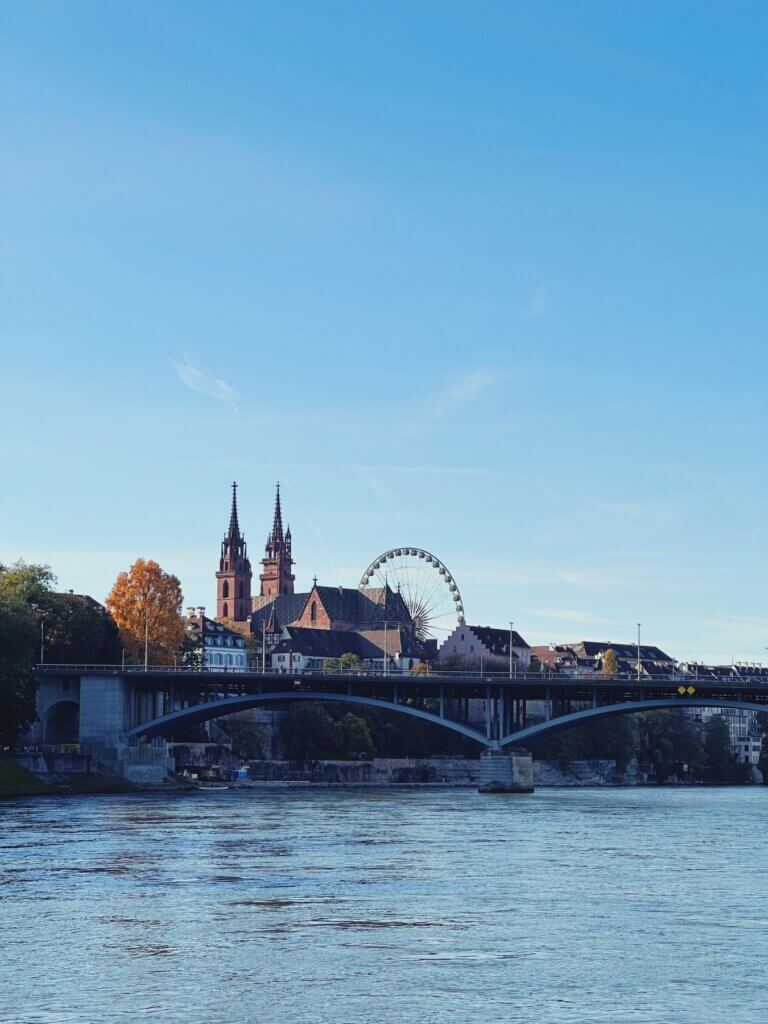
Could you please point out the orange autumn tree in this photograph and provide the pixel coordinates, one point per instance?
(145, 602)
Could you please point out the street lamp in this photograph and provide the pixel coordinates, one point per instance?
(638, 652)
(511, 655)
(146, 632)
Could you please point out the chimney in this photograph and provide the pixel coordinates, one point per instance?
(190, 612)
(201, 610)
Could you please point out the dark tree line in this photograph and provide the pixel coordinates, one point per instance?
(668, 741)
(69, 627)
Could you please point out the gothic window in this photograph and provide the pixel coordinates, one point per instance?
(225, 590)
(313, 611)
(225, 609)
(240, 590)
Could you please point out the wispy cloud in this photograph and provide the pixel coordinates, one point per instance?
(569, 615)
(194, 379)
(375, 483)
(461, 391)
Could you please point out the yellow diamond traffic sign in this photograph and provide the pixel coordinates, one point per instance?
(681, 690)
(691, 690)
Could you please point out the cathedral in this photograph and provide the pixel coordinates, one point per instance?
(302, 629)
(234, 578)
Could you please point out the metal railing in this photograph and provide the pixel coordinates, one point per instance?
(356, 673)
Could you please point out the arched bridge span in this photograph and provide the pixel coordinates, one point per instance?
(561, 722)
(230, 705)
(207, 710)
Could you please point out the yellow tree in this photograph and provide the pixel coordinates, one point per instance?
(610, 663)
(145, 602)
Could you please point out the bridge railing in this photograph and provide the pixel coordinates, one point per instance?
(642, 679)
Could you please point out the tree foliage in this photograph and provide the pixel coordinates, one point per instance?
(717, 748)
(146, 602)
(610, 663)
(71, 627)
(18, 649)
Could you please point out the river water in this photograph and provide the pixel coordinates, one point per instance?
(356, 906)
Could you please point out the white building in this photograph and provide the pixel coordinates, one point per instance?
(487, 644)
(223, 649)
(744, 732)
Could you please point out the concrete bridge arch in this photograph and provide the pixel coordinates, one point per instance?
(553, 725)
(230, 705)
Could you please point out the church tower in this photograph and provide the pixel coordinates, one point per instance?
(233, 580)
(276, 576)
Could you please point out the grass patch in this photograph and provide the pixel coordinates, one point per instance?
(17, 781)
(89, 782)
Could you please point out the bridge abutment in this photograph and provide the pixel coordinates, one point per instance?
(505, 772)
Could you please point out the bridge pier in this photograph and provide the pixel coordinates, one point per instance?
(502, 771)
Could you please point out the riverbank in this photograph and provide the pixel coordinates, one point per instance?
(17, 781)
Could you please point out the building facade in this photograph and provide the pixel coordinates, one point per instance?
(222, 649)
(485, 647)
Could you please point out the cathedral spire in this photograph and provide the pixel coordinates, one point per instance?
(234, 525)
(277, 577)
(233, 580)
(277, 525)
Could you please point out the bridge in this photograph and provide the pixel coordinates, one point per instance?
(111, 704)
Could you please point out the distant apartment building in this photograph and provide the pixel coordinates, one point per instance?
(487, 644)
(744, 732)
(221, 648)
(587, 657)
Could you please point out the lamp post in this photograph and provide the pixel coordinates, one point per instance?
(146, 632)
(386, 656)
(638, 652)
(263, 645)
(42, 641)
(511, 654)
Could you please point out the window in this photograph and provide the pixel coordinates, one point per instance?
(225, 609)
(462, 636)
(240, 590)
(225, 590)
(313, 612)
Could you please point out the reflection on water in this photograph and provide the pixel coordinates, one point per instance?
(297, 906)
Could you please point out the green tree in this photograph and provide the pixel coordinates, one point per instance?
(190, 651)
(76, 629)
(717, 749)
(79, 630)
(247, 735)
(332, 665)
(309, 733)
(350, 662)
(356, 735)
(18, 651)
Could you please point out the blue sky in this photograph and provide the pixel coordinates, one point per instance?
(486, 278)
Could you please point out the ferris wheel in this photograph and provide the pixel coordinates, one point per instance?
(425, 584)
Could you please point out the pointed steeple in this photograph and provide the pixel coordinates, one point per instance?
(277, 524)
(277, 577)
(234, 525)
(233, 580)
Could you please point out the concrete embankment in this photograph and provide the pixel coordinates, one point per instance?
(45, 774)
(432, 771)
